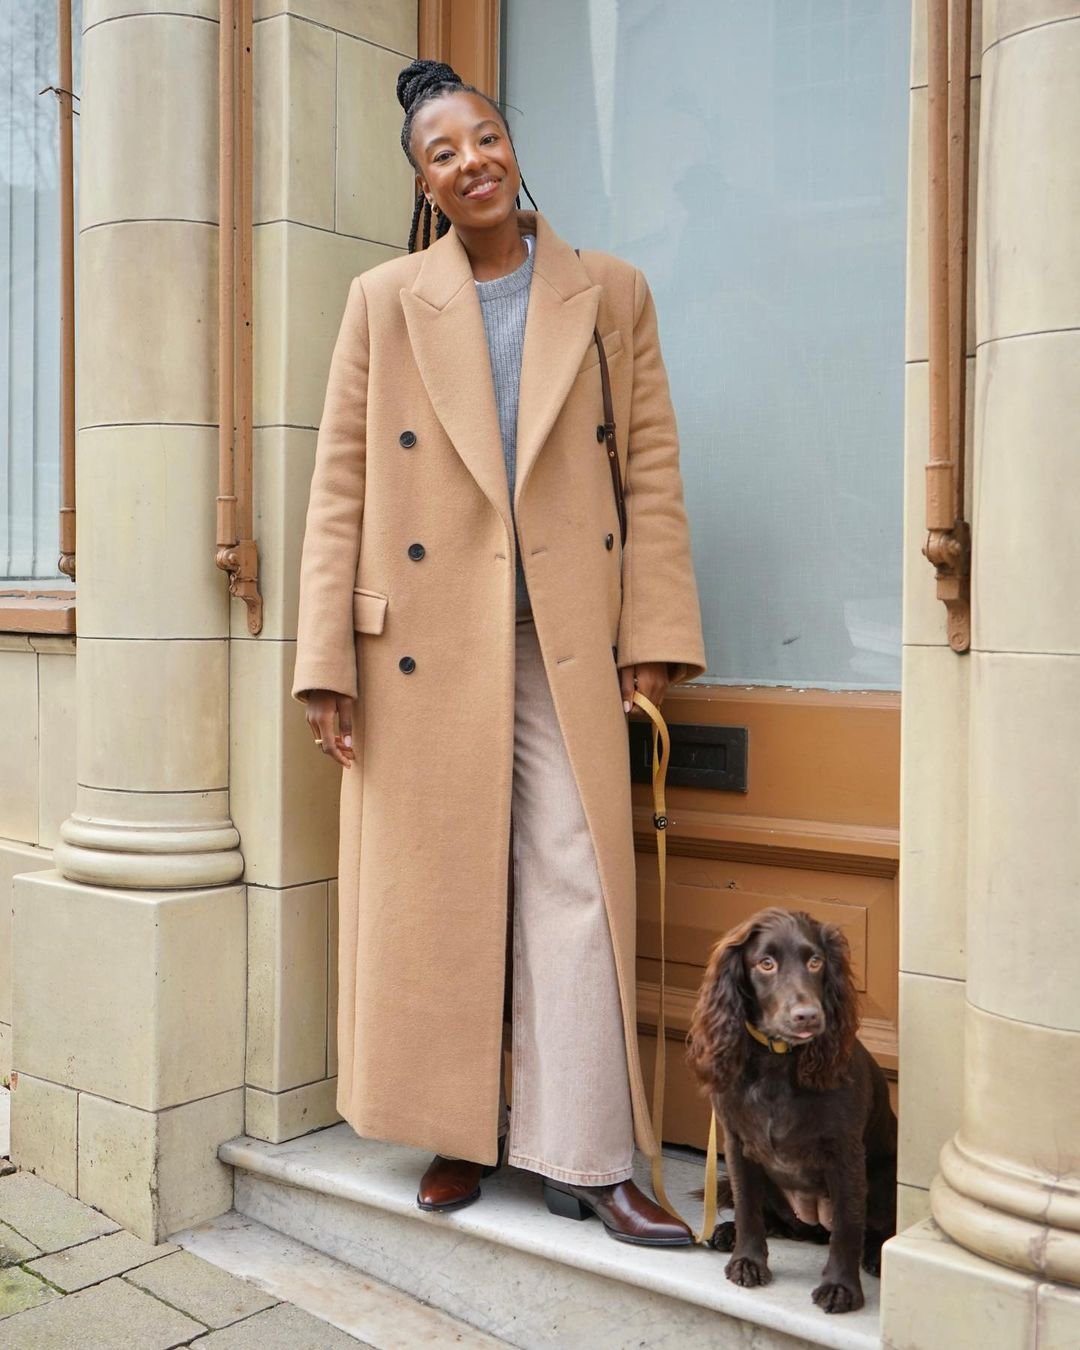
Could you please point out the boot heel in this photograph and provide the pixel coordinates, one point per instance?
(563, 1204)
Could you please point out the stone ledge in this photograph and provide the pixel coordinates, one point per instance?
(354, 1199)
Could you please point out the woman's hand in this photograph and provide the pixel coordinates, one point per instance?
(650, 677)
(323, 707)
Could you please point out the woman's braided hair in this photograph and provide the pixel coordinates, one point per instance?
(417, 84)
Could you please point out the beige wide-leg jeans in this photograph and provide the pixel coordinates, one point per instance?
(571, 1118)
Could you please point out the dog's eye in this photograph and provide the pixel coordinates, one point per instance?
(766, 964)
(814, 964)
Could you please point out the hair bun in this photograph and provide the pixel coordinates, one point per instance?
(416, 79)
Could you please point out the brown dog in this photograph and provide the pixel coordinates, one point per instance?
(810, 1134)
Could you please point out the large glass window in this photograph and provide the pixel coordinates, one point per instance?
(30, 288)
(750, 157)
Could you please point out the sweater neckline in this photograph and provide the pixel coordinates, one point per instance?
(514, 281)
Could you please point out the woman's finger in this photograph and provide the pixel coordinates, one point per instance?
(626, 686)
(345, 726)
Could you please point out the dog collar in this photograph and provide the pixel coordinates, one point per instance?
(773, 1043)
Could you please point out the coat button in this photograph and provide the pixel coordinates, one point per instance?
(609, 542)
(416, 552)
(406, 665)
(407, 440)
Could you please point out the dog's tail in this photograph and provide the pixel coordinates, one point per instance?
(724, 1197)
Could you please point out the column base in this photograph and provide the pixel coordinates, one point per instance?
(1006, 1216)
(150, 841)
(935, 1293)
(129, 1007)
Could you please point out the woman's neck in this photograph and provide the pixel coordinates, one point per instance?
(496, 252)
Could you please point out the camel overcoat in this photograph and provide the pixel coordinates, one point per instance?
(407, 603)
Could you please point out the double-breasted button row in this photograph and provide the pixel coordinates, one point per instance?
(416, 552)
(406, 665)
(407, 440)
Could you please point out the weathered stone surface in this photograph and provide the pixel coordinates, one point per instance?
(19, 1291)
(47, 1217)
(110, 1316)
(14, 1247)
(92, 1262)
(282, 1328)
(212, 1295)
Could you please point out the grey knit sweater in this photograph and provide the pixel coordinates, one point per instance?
(504, 303)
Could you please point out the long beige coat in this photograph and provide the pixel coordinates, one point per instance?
(409, 453)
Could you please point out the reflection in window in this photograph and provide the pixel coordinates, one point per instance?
(750, 157)
(30, 289)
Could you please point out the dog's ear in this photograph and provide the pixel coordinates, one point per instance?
(716, 1045)
(823, 1063)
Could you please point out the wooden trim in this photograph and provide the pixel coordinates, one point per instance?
(37, 612)
(464, 34)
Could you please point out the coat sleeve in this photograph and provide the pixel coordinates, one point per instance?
(325, 646)
(661, 618)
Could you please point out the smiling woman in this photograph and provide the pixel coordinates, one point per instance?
(459, 491)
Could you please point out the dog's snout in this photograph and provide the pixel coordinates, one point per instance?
(806, 1017)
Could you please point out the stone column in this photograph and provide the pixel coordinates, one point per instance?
(1010, 1180)
(998, 1264)
(130, 970)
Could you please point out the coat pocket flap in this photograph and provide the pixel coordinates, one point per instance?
(612, 344)
(369, 611)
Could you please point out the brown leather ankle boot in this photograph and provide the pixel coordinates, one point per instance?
(628, 1215)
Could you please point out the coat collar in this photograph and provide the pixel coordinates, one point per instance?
(446, 330)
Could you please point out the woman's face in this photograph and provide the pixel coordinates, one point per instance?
(466, 164)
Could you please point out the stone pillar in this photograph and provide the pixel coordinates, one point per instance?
(130, 969)
(998, 1264)
(333, 196)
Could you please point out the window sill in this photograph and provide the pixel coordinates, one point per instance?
(45, 612)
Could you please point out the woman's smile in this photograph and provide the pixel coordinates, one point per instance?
(483, 188)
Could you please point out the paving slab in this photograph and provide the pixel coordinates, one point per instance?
(282, 1328)
(14, 1247)
(97, 1260)
(109, 1316)
(215, 1297)
(19, 1291)
(46, 1216)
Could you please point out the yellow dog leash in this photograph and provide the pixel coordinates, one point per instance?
(661, 753)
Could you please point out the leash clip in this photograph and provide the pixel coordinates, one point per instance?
(660, 822)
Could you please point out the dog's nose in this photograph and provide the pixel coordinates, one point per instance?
(806, 1017)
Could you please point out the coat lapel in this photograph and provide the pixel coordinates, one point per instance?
(446, 330)
(563, 303)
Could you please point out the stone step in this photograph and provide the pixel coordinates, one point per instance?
(508, 1268)
(376, 1314)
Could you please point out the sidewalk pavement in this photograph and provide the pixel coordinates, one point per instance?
(71, 1279)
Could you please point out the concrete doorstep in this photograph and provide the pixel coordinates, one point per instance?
(70, 1277)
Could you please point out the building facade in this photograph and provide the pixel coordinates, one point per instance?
(167, 837)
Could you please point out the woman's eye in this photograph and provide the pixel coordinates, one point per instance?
(815, 963)
(442, 156)
(491, 136)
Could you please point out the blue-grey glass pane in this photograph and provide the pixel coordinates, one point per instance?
(750, 157)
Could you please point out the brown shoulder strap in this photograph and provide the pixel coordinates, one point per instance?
(606, 434)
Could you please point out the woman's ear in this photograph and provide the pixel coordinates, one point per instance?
(823, 1063)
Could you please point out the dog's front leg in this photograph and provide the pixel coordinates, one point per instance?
(840, 1289)
(749, 1264)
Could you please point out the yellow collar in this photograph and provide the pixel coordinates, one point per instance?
(777, 1046)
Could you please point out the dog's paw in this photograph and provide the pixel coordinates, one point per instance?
(744, 1270)
(871, 1257)
(723, 1237)
(838, 1298)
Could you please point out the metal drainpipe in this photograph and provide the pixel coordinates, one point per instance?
(948, 544)
(65, 97)
(237, 552)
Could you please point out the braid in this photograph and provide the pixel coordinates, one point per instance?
(421, 202)
(417, 84)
